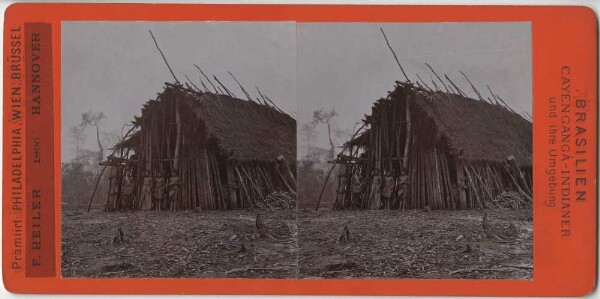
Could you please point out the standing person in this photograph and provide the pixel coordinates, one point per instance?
(342, 187)
(159, 191)
(173, 187)
(375, 197)
(461, 179)
(387, 190)
(357, 186)
(234, 188)
(402, 188)
(128, 188)
(146, 196)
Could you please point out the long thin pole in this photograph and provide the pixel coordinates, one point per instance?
(194, 85)
(455, 87)
(104, 168)
(260, 94)
(241, 87)
(394, 53)
(324, 186)
(331, 170)
(163, 56)
(442, 81)
(210, 82)
(472, 86)
(423, 81)
(95, 188)
(225, 88)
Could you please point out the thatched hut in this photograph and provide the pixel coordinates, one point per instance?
(423, 148)
(194, 150)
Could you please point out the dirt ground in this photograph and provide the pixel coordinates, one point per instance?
(177, 244)
(414, 244)
(381, 244)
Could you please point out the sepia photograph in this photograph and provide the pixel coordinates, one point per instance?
(178, 149)
(415, 150)
(297, 150)
(226, 149)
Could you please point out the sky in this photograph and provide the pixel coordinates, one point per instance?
(114, 67)
(348, 66)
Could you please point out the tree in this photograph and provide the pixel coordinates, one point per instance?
(76, 133)
(94, 119)
(308, 131)
(325, 117)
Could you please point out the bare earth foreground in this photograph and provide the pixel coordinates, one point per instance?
(177, 244)
(381, 244)
(415, 244)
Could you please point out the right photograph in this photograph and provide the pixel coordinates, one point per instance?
(415, 150)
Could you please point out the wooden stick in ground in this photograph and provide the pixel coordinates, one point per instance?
(481, 204)
(95, 188)
(256, 188)
(284, 181)
(520, 175)
(485, 188)
(324, 185)
(286, 171)
(163, 56)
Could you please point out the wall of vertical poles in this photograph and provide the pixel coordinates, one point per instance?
(174, 142)
(438, 177)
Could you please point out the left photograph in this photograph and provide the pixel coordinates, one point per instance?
(178, 149)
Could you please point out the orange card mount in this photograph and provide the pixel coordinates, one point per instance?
(164, 192)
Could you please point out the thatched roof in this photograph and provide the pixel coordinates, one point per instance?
(487, 132)
(246, 130)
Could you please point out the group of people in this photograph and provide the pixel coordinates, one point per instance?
(158, 192)
(385, 192)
